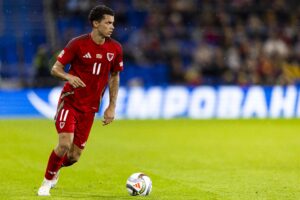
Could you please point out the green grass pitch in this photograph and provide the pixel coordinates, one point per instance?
(186, 159)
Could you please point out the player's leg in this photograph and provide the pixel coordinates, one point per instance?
(62, 149)
(81, 134)
(65, 141)
(72, 156)
(65, 123)
(54, 163)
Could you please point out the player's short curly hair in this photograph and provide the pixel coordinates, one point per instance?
(98, 12)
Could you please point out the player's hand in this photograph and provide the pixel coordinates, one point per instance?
(75, 81)
(109, 116)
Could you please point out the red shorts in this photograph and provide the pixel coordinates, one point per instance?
(70, 120)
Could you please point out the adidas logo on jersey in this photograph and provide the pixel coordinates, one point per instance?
(87, 55)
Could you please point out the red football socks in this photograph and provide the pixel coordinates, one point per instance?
(54, 164)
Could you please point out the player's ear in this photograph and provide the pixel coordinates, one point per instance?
(95, 23)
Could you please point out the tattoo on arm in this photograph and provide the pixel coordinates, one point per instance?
(113, 88)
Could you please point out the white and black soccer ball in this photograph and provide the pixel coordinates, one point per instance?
(139, 184)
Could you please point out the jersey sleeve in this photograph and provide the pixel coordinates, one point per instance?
(118, 63)
(68, 53)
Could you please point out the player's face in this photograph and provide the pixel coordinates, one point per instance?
(105, 27)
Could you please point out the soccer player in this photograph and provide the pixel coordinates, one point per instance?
(96, 61)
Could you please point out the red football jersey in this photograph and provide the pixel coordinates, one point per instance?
(92, 63)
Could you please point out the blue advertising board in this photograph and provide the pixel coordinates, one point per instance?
(203, 102)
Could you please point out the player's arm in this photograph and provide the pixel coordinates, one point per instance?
(113, 84)
(59, 72)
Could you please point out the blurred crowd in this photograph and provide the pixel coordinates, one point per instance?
(200, 42)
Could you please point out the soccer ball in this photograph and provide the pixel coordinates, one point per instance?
(139, 184)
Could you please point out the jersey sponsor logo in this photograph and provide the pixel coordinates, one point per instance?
(87, 55)
(110, 56)
(61, 54)
(98, 55)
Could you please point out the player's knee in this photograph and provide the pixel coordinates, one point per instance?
(63, 148)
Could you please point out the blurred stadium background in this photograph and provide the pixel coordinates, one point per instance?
(195, 44)
(190, 59)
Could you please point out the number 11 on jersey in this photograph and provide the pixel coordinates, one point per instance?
(96, 68)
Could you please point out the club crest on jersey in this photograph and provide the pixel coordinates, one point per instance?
(110, 56)
(62, 124)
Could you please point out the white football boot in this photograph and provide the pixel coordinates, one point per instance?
(44, 190)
